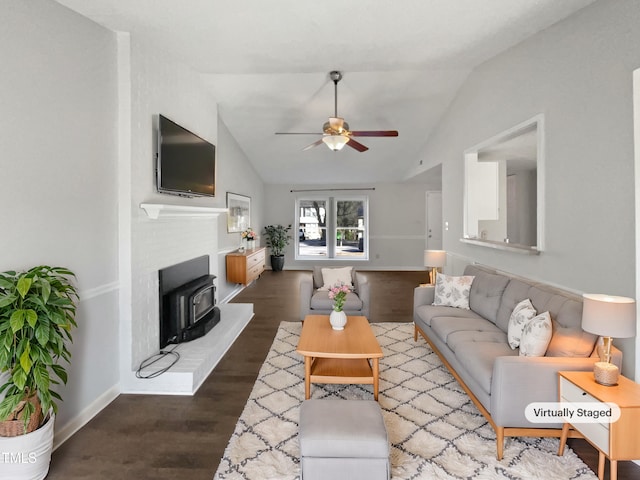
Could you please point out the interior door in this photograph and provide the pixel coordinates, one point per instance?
(434, 221)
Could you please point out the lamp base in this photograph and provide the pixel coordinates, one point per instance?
(606, 374)
(432, 275)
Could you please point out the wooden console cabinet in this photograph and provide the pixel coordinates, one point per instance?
(245, 267)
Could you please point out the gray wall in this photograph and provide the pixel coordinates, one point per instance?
(396, 222)
(58, 186)
(578, 73)
(236, 175)
(78, 145)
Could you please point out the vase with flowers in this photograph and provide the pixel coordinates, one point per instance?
(337, 318)
(249, 236)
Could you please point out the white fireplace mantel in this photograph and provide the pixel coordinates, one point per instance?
(157, 210)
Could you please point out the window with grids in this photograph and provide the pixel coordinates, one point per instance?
(332, 228)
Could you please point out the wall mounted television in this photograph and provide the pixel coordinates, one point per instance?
(186, 163)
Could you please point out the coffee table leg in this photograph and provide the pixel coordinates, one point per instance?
(307, 377)
(376, 371)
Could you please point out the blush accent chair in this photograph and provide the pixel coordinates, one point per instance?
(317, 302)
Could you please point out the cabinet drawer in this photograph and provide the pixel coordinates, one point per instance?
(570, 392)
(596, 433)
(255, 259)
(254, 272)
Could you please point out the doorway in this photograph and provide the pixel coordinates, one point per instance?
(433, 221)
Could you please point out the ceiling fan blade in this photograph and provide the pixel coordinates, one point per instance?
(357, 145)
(298, 133)
(314, 144)
(375, 133)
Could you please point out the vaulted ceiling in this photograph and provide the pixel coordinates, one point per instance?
(267, 64)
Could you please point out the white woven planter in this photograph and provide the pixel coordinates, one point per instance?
(27, 457)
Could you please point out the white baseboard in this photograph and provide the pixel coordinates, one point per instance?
(64, 433)
(362, 268)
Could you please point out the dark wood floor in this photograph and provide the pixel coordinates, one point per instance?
(174, 437)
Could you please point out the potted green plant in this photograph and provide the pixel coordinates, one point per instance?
(37, 314)
(277, 238)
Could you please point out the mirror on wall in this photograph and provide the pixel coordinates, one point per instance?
(504, 190)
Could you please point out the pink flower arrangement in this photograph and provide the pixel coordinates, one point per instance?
(338, 293)
(248, 234)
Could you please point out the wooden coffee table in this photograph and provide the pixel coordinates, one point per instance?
(347, 356)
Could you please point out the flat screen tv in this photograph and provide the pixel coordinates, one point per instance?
(186, 163)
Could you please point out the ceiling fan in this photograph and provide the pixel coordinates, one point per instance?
(336, 131)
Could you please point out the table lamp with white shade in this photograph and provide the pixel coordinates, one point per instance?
(434, 259)
(610, 317)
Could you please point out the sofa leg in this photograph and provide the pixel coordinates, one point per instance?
(499, 442)
(415, 332)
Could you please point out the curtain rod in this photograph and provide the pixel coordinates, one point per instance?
(331, 189)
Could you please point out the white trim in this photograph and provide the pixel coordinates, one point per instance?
(502, 246)
(157, 210)
(398, 237)
(542, 181)
(636, 143)
(98, 291)
(538, 120)
(226, 250)
(65, 432)
(125, 210)
(366, 268)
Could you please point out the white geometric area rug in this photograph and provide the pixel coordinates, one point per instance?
(434, 429)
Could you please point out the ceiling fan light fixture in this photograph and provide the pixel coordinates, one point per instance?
(335, 142)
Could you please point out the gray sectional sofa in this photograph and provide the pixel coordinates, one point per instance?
(473, 345)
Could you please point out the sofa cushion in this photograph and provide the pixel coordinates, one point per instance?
(520, 316)
(452, 291)
(536, 336)
(515, 292)
(445, 326)
(478, 359)
(486, 293)
(456, 339)
(428, 312)
(320, 301)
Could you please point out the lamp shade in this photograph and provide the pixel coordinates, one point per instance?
(435, 258)
(335, 142)
(609, 316)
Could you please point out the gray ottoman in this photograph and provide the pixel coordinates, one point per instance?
(343, 439)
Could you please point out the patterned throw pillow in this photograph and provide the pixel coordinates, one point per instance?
(453, 291)
(336, 276)
(536, 336)
(520, 316)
